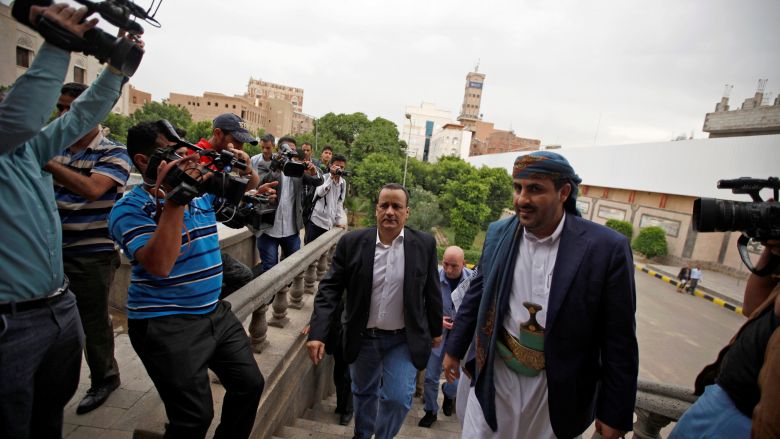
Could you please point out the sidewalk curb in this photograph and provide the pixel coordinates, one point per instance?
(698, 292)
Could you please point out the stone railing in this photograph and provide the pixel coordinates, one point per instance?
(295, 276)
(658, 405)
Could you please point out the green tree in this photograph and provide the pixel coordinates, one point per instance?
(380, 136)
(500, 191)
(424, 209)
(152, 111)
(198, 130)
(467, 209)
(447, 170)
(651, 242)
(344, 127)
(623, 227)
(117, 125)
(373, 173)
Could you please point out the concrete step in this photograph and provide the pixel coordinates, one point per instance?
(444, 423)
(443, 430)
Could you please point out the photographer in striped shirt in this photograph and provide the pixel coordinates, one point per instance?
(176, 322)
(89, 177)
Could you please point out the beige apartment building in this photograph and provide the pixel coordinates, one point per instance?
(137, 99)
(275, 116)
(257, 88)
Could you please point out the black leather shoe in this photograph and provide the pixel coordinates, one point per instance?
(427, 420)
(345, 418)
(96, 396)
(448, 404)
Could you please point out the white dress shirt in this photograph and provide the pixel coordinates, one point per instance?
(284, 221)
(387, 292)
(329, 209)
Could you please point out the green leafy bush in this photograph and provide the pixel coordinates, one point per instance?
(651, 242)
(623, 227)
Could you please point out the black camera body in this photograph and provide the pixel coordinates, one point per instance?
(254, 212)
(342, 172)
(759, 220)
(282, 161)
(232, 207)
(120, 53)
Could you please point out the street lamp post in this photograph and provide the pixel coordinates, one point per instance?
(406, 160)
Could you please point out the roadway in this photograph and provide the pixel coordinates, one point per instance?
(678, 333)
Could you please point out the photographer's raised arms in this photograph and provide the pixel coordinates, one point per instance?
(41, 337)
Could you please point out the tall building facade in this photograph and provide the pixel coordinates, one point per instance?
(257, 88)
(472, 100)
(421, 124)
(275, 116)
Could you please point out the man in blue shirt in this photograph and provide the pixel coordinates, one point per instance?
(450, 276)
(176, 322)
(40, 332)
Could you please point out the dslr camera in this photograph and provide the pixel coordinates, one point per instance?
(120, 53)
(283, 161)
(232, 206)
(759, 219)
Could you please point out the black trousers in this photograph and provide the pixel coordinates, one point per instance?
(90, 278)
(343, 382)
(313, 232)
(176, 351)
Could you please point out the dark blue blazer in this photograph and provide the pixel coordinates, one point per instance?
(591, 352)
(351, 276)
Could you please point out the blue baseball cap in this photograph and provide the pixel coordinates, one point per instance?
(235, 126)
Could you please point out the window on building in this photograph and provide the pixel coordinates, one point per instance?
(79, 75)
(135, 100)
(234, 106)
(226, 106)
(208, 103)
(23, 57)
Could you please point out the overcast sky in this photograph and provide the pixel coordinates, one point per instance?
(648, 70)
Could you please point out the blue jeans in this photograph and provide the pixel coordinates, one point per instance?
(432, 375)
(40, 362)
(713, 416)
(268, 246)
(383, 379)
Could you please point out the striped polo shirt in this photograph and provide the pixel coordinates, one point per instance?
(194, 283)
(84, 222)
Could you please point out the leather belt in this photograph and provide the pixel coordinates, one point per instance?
(27, 305)
(374, 332)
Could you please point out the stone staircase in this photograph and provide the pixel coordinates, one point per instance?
(321, 422)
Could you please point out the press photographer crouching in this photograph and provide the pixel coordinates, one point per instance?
(179, 328)
(739, 391)
(40, 333)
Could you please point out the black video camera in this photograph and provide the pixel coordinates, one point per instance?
(282, 161)
(759, 220)
(120, 53)
(232, 206)
(341, 172)
(254, 212)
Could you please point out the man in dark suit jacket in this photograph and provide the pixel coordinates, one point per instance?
(547, 368)
(392, 313)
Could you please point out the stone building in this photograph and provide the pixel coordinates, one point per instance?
(755, 117)
(472, 100)
(277, 112)
(655, 184)
(18, 46)
(489, 140)
(137, 99)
